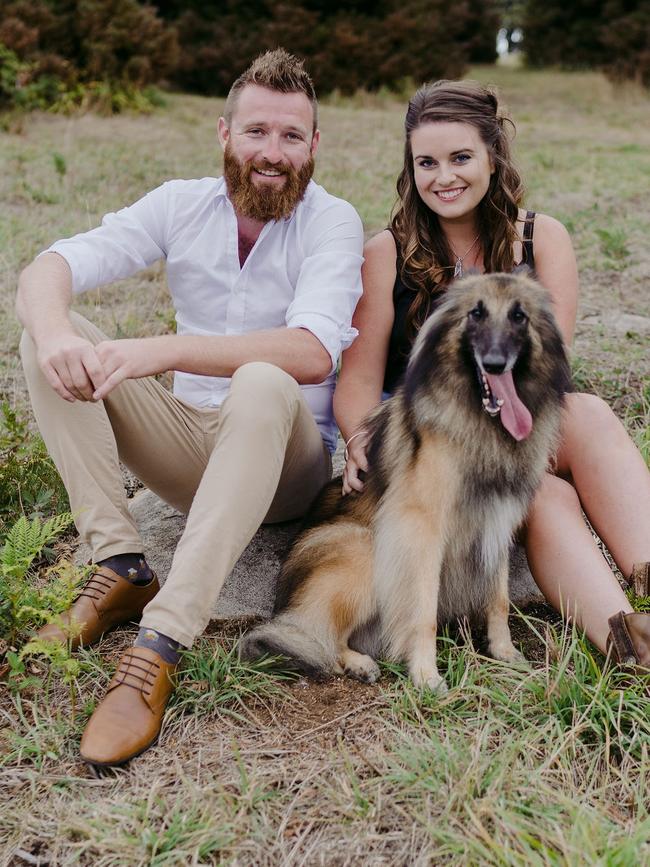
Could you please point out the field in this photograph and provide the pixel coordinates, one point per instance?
(549, 766)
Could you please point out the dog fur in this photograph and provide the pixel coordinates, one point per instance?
(427, 540)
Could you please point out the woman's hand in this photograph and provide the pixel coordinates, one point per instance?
(356, 462)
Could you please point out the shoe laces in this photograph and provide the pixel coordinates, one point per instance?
(97, 585)
(137, 672)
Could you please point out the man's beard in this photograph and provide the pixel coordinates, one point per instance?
(266, 201)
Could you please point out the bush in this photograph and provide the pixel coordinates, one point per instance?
(62, 53)
(626, 40)
(347, 45)
(612, 35)
(29, 482)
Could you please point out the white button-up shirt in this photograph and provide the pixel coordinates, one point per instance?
(303, 272)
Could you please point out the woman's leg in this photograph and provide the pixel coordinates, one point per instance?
(566, 563)
(610, 476)
(611, 483)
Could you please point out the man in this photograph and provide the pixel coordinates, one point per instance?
(264, 270)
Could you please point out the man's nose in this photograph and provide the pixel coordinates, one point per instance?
(272, 152)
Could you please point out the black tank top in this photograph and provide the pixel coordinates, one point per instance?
(399, 345)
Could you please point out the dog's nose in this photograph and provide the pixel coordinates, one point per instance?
(494, 362)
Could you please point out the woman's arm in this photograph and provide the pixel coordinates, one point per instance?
(359, 386)
(555, 265)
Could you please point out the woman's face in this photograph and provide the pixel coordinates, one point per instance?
(452, 167)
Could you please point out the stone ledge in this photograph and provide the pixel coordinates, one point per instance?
(249, 590)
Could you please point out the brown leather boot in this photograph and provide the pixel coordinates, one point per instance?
(129, 718)
(629, 637)
(640, 579)
(106, 600)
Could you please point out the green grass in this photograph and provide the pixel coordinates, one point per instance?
(541, 766)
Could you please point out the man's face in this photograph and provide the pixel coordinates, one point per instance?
(268, 152)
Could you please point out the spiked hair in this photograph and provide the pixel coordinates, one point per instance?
(276, 70)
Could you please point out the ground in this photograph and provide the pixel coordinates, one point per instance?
(547, 765)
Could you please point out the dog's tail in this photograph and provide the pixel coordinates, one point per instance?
(285, 637)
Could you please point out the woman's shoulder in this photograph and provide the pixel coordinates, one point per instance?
(544, 226)
(381, 246)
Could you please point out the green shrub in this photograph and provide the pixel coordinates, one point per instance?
(102, 54)
(612, 35)
(29, 482)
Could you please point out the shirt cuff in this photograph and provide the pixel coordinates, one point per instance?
(334, 336)
(66, 251)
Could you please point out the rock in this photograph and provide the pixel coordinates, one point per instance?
(250, 589)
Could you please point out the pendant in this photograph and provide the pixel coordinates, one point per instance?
(458, 269)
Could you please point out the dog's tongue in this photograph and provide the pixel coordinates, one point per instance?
(514, 416)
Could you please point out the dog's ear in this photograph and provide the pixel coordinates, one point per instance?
(523, 270)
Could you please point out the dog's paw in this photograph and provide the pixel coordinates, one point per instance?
(431, 680)
(360, 667)
(508, 653)
(437, 684)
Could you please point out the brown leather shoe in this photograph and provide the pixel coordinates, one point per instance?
(129, 718)
(629, 638)
(106, 600)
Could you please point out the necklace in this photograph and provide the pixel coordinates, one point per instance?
(458, 267)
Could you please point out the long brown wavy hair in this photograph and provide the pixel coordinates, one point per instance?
(426, 260)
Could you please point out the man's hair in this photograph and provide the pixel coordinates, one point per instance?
(276, 70)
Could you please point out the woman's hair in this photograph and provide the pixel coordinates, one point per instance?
(427, 261)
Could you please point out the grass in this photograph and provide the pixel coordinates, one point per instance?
(548, 765)
(541, 766)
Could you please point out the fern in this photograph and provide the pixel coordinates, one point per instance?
(22, 604)
(26, 540)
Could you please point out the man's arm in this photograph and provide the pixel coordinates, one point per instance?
(68, 361)
(295, 350)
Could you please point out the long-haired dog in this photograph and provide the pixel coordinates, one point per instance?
(455, 457)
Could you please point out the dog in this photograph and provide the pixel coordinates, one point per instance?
(455, 458)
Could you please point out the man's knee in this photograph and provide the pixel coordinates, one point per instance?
(264, 388)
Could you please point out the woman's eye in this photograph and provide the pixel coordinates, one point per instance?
(462, 158)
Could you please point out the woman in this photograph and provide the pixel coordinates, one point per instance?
(459, 209)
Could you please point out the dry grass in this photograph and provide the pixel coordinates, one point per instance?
(546, 766)
(542, 767)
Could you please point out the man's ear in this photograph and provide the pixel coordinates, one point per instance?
(315, 139)
(223, 131)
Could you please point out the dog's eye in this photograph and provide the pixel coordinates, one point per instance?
(477, 313)
(517, 315)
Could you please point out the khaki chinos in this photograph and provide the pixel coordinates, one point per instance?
(257, 458)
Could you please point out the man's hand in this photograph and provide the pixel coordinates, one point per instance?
(71, 366)
(131, 359)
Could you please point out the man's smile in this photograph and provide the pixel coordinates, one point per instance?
(269, 173)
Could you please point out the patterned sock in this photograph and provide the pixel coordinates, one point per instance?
(169, 649)
(133, 567)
